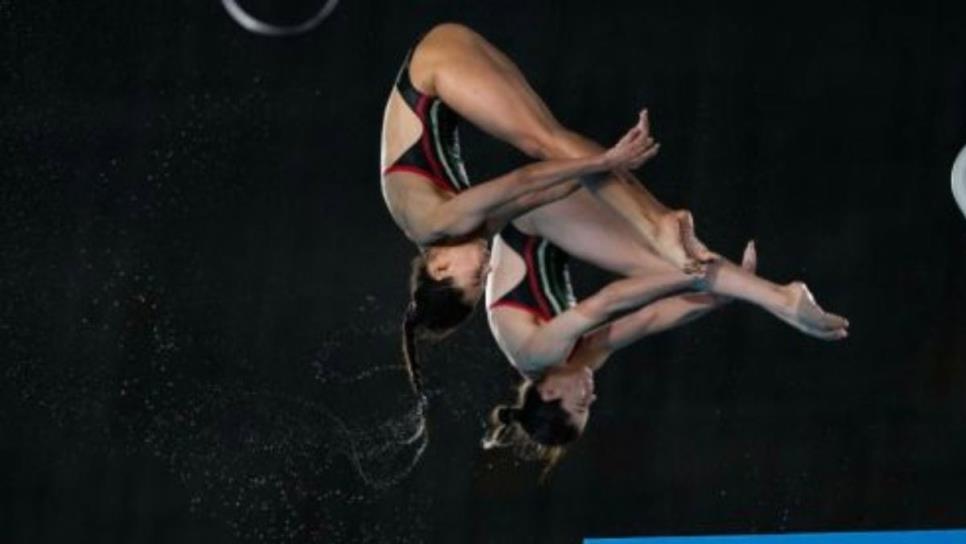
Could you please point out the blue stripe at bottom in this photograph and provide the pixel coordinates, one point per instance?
(890, 537)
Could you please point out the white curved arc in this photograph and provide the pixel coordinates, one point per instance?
(265, 29)
(959, 180)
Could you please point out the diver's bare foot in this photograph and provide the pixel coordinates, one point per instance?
(674, 239)
(803, 313)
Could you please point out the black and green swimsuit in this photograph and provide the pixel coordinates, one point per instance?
(436, 156)
(545, 291)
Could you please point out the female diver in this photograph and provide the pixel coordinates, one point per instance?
(557, 344)
(454, 73)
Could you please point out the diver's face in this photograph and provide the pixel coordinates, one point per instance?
(574, 386)
(467, 264)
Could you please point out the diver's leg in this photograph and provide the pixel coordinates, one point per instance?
(792, 303)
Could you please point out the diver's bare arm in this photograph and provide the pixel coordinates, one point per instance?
(656, 317)
(466, 212)
(525, 188)
(552, 342)
(519, 206)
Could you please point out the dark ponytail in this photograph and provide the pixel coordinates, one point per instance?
(409, 349)
(437, 307)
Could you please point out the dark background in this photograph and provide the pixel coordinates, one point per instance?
(201, 287)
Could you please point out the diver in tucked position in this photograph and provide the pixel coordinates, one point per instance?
(454, 74)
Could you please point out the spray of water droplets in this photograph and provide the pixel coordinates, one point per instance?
(273, 466)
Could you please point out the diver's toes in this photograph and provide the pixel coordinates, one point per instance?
(836, 321)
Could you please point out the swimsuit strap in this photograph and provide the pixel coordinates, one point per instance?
(545, 290)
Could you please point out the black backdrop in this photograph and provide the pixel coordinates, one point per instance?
(201, 287)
